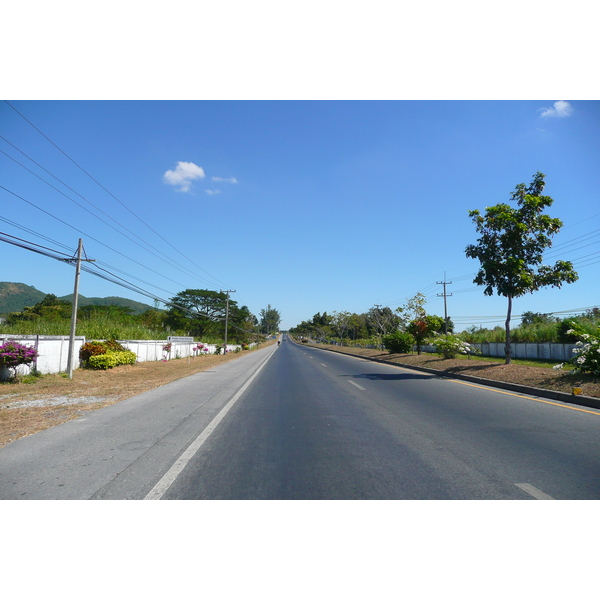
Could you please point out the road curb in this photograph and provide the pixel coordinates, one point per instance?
(587, 401)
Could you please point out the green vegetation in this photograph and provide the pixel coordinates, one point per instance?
(269, 320)
(399, 342)
(511, 246)
(105, 355)
(196, 313)
(14, 296)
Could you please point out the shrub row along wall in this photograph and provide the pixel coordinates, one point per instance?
(53, 351)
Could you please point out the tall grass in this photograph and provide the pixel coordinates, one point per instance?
(536, 333)
(95, 327)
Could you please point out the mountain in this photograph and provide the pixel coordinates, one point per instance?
(14, 297)
(138, 307)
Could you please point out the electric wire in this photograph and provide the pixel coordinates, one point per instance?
(107, 276)
(169, 261)
(89, 236)
(111, 194)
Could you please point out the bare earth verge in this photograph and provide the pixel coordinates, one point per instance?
(26, 408)
(538, 377)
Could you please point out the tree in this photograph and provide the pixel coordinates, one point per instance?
(198, 311)
(383, 320)
(422, 327)
(269, 319)
(533, 318)
(511, 246)
(413, 309)
(340, 323)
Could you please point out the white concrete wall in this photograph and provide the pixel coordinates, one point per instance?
(53, 351)
(545, 351)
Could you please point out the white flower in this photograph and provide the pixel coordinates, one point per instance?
(570, 331)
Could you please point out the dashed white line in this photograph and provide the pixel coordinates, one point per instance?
(533, 491)
(323, 364)
(360, 387)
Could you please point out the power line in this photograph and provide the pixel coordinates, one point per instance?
(170, 262)
(110, 193)
(89, 236)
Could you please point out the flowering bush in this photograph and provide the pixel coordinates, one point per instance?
(586, 351)
(448, 346)
(13, 354)
(201, 350)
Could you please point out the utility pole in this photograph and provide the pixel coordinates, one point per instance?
(226, 317)
(77, 261)
(445, 283)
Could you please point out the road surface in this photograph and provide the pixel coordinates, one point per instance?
(293, 422)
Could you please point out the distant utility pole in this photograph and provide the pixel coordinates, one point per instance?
(445, 283)
(226, 317)
(77, 262)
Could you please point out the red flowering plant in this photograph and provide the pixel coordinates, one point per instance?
(13, 354)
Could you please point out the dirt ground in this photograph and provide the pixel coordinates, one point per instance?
(26, 408)
(539, 377)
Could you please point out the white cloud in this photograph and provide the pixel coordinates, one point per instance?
(230, 180)
(183, 175)
(560, 109)
(212, 192)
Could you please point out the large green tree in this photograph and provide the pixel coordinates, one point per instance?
(511, 246)
(269, 319)
(199, 312)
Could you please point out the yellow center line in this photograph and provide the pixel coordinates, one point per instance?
(492, 389)
(488, 388)
(526, 397)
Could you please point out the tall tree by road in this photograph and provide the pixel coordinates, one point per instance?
(511, 246)
(269, 319)
(200, 312)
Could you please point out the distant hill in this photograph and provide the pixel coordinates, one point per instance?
(138, 307)
(14, 297)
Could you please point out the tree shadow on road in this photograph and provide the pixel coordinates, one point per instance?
(392, 376)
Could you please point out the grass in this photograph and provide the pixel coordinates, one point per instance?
(549, 364)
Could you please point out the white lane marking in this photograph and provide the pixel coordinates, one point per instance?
(323, 364)
(533, 491)
(169, 477)
(360, 387)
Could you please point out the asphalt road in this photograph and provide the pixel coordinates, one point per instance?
(302, 423)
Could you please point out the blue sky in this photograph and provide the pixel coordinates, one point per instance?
(308, 206)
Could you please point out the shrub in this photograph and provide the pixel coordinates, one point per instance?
(102, 361)
(587, 351)
(399, 342)
(13, 354)
(112, 359)
(113, 346)
(448, 346)
(91, 349)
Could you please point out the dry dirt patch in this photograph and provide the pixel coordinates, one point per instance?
(28, 408)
